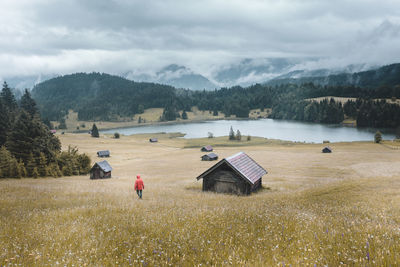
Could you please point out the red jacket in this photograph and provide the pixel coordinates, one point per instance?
(139, 184)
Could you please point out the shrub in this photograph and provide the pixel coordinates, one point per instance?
(378, 137)
(116, 135)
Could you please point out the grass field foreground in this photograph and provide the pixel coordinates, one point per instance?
(315, 209)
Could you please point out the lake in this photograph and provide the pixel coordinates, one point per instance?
(268, 128)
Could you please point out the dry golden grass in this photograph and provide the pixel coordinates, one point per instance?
(315, 209)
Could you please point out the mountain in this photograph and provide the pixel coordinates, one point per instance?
(174, 75)
(250, 71)
(98, 96)
(383, 76)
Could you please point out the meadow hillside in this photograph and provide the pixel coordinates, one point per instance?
(314, 209)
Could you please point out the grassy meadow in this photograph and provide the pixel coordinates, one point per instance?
(314, 209)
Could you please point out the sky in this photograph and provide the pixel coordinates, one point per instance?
(115, 36)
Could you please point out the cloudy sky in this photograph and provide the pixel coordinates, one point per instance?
(114, 36)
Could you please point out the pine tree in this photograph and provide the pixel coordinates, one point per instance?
(184, 115)
(238, 135)
(30, 165)
(28, 104)
(95, 131)
(231, 134)
(8, 98)
(22, 169)
(35, 173)
(21, 140)
(5, 162)
(5, 124)
(42, 166)
(14, 169)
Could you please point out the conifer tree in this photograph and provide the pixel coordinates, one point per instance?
(14, 169)
(238, 135)
(231, 134)
(95, 131)
(35, 173)
(28, 104)
(42, 166)
(30, 165)
(8, 98)
(5, 162)
(184, 115)
(22, 169)
(4, 123)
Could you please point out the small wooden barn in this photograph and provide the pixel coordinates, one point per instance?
(209, 157)
(327, 149)
(100, 170)
(237, 174)
(207, 148)
(153, 140)
(103, 153)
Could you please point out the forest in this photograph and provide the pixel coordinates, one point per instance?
(27, 146)
(98, 96)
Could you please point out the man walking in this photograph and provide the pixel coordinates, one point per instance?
(139, 186)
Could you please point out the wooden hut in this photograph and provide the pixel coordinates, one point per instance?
(100, 170)
(209, 157)
(153, 140)
(237, 174)
(103, 153)
(327, 149)
(207, 148)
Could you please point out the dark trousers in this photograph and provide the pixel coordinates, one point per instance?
(139, 193)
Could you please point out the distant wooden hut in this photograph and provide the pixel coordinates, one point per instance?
(100, 170)
(327, 149)
(207, 148)
(103, 153)
(209, 157)
(237, 174)
(153, 140)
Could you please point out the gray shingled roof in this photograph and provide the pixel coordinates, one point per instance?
(104, 166)
(246, 166)
(207, 148)
(243, 165)
(211, 155)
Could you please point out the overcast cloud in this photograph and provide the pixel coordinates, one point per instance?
(114, 36)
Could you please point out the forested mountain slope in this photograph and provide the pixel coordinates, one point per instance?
(98, 96)
(384, 76)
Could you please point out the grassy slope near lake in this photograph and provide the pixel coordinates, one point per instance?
(323, 209)
(151, 116)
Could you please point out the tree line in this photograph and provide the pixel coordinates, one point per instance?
(98, 96)
(27, 146)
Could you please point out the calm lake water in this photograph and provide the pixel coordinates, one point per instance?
(268, 128)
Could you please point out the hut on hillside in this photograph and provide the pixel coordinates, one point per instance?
(237, 174)
(209, 157)
(327, 149)
(153, 140)
(100, 170)
(103, 153)
(207, 148)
